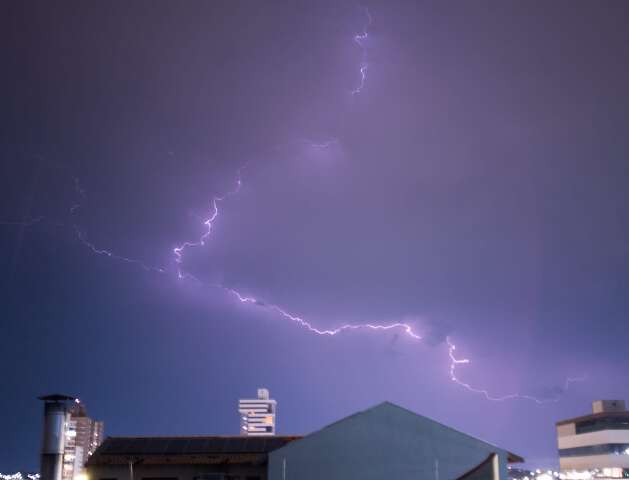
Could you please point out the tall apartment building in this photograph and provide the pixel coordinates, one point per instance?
(82, 436)
(257, 416)
(598, 442)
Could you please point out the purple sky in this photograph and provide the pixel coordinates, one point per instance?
(475, 188)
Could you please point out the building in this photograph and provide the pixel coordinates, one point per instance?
(82, 436)
(597, 443)
(183, 458)
(383, 442)
(257, 416)
(69, 438)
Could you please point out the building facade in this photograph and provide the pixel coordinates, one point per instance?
(597, 443)
(82, 436)
(257, 416)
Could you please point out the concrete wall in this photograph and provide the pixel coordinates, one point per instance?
(385, 442)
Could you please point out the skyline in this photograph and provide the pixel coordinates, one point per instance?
(300, 229)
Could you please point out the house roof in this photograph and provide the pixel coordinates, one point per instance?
(511, 457)
(194, 449)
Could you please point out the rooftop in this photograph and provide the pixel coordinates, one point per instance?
(194, 449)
(56, 397)
(594, 416)
(601, 409)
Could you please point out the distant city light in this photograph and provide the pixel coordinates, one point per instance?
(19, 476)
(592, 474)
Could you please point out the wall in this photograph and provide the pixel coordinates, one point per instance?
(585, 461)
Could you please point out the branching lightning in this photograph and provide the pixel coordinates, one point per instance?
(80, 191)
(360, 40)
(180, 250)
(454, 362)
(98, 251)
(321, 144)
(208, 223)
(405, 328)
(82, 237)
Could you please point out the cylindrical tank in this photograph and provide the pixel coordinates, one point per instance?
(53, 441)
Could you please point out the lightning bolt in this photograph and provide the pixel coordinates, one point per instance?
(320, 145)
(213, 214)
(82, 237)
(360, 40)
(179, 251)
(80, 191)
(454, 362)
(403, 327)
(107, 253)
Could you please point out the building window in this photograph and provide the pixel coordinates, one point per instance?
(608, 423)
(605, 449)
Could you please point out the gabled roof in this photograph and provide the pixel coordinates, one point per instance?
(194, 449)
(511, 457)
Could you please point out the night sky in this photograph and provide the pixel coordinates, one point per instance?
(475, 189)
